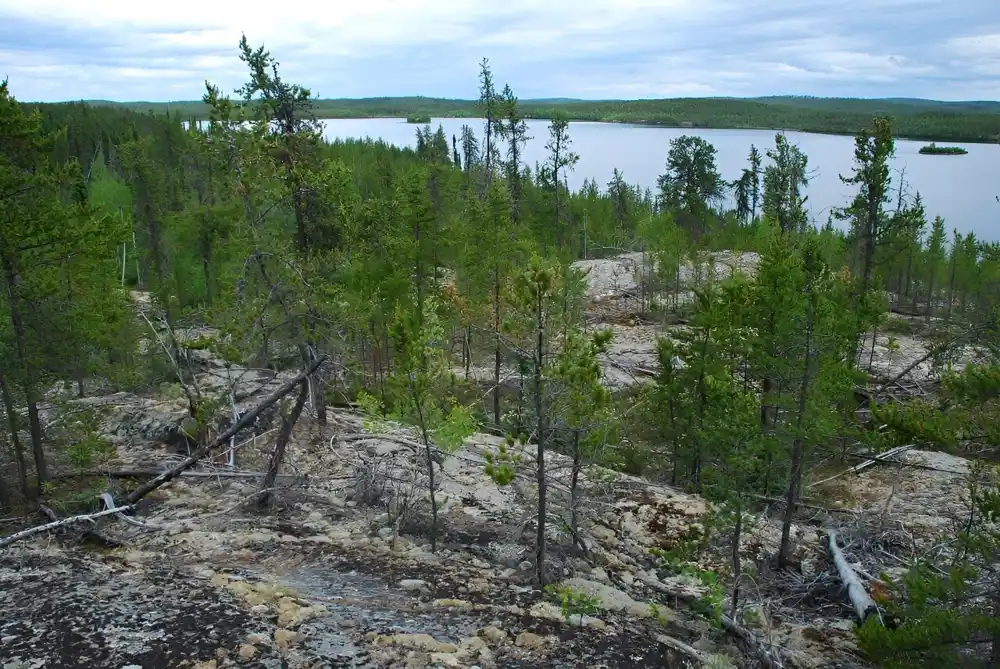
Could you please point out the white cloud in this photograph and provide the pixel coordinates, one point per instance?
(582, 48)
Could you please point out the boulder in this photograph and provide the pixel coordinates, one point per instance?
(609, 598)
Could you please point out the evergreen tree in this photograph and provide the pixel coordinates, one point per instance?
(869, 223)
(742, 188)
(55, 258)
(514, 130)
(934, 259)
(691, 181)
(489, 106)
(754, 179)
(470, 149)
(561, 158)
(783, 181)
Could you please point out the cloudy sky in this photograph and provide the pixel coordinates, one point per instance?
(147, 50)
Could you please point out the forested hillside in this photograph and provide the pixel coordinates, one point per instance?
(424, 296)
(915, 119)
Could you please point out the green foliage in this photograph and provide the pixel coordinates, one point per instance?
(710, 604)
(573, 602)
(898, 325)
(691, 180)
(501, 464)
(86, 449)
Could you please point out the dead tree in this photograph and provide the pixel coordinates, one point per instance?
(861, 601)
(287, 424)
(223, 438)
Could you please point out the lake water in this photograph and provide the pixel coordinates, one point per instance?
(960, 189)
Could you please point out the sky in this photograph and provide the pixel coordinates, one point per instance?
(129, 50)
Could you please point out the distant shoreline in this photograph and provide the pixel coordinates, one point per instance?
(926, 120)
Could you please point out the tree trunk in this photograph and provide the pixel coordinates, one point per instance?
(319, 396)
(28, 380)
(467, 349)
(871, 354)
(995, 651)
(951, 286)
(930, 298)
(418, 403)
(6, 498)
(206, 268)
(737, 566)
(496, 360)
(540, 437)
(909, 269)
(795, 479)
(574, 492)
(15, 437)
(278, 456)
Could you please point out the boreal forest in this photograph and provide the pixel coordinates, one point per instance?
(252, 377)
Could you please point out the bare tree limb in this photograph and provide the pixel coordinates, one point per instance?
(864, 606)
(223, 438)
(881, 457)
(86, 518)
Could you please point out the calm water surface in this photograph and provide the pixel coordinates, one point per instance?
(960, 189)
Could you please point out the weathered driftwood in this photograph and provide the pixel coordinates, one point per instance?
(864, 606)
(65, 522)
(223, 438)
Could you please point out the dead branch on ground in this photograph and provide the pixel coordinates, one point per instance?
(223, 438)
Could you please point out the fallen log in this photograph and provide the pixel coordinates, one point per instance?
(862, 603)
(146, 473)
(39, 529)
(223, 438)
(93, 533)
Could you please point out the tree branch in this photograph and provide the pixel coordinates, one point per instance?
(247, 419)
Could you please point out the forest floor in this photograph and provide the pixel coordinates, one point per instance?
(329, 579)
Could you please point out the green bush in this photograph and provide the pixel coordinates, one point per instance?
(898, 325)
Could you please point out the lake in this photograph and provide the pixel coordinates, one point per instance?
(960, 189)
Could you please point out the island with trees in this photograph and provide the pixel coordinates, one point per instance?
(419, 118)
(245, 370)
(933, 149)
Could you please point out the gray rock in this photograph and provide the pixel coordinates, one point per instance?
(525, 566)
(609, 598)
(412, 584)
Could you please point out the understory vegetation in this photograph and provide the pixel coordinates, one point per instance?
(438, 288)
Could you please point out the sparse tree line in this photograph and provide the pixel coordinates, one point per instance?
(300, 250)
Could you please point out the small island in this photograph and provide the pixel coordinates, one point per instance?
(933, 149)
(418, 119)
